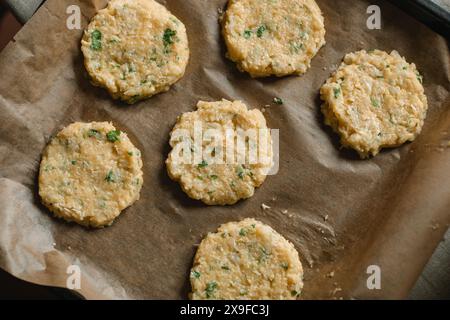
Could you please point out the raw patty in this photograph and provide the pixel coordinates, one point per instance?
(273, 37)
(135, 49)
(246, 260)
(89, 173)
(215, 183)
(374, 100)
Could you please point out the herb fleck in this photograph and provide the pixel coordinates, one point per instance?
(295, 47)
(93, 133)
(294, 293)
(375, 102)
(240, 172)
(419, 77)
(264, 255)
(202, 164)
(195, 274)
(168, 38)
(110, 177)
(277, 100)
(260, 31)
(242, 232)
(225, 268)
(113, 135)
(210, 287)
(247, 34)
(337, 92)
(285, 265)
(96, 40)
(213, 177)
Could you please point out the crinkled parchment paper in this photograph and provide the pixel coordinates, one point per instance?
(343, 214)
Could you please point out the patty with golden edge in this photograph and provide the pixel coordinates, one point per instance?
(89, 173)
(273, 37)
(135, 49)
(374, 100)
(246, 260)
(226, 182)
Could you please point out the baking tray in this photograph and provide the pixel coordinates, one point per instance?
(433, 13)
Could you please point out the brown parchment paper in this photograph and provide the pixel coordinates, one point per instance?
(343, 213)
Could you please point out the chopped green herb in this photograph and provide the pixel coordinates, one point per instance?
(264, 251)
(113, 135)
(74, 162)
(195, 274)
(240, 172)
(93, 133)
(247, 34)
(210, 287)
(131, 68)
(48, 167)
(168, 37)
(337, 92)
(174, 20)
(294, 293)
(130, 153)
(242, 232)
(96, 40)
(200, 177)
(375, 102)
(225, 268)
(253, 225)
(110, 177)
(213, 177)
(134, 98)
(260, 31)
(285, 265)
(405, 67)
(232, 184)
(263, 255)
(295, 47)
(202, 164)
(277, 100)
(419, 77)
